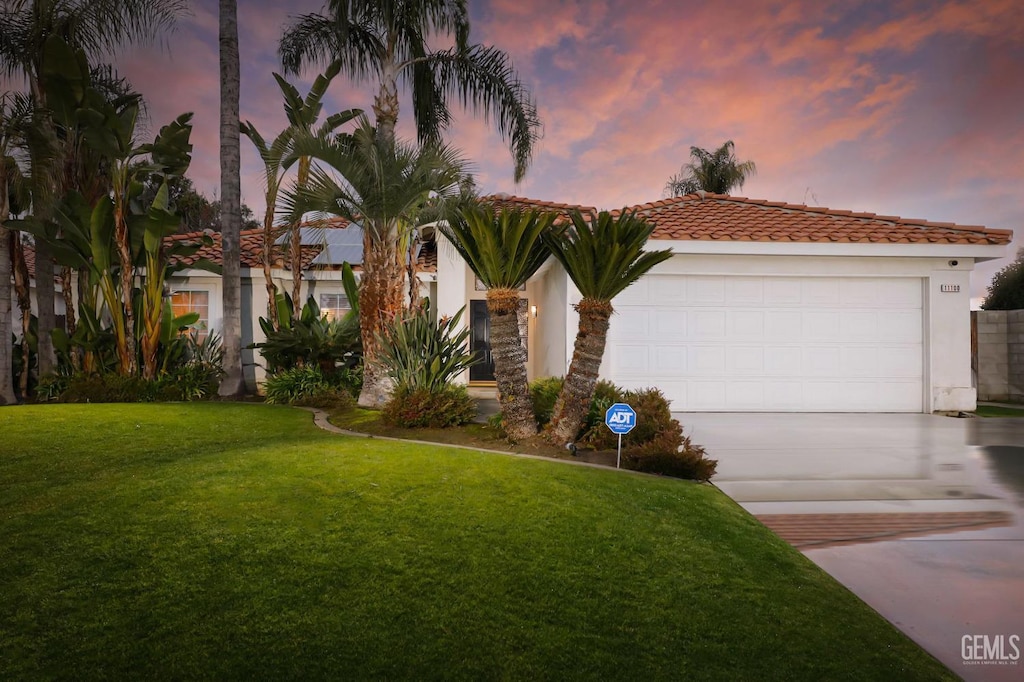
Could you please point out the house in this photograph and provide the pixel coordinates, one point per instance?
(765, 306)
(768, 306)
(325, 246)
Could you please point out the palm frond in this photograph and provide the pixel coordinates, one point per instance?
(504, 249)
(485, 81)
(603, 254)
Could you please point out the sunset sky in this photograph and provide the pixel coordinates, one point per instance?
(895, 107)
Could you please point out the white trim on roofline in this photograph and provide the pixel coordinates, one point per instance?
(979, 252)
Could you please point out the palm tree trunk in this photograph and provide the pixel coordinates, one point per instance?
(268, 277)
(7, 396)
(578, 389)
(126, 349)
(510, 364)
(21, 288)
(70, 323)
(230, 203)
(45, 297)
(381, 298)
(295, 257)
(385, 106)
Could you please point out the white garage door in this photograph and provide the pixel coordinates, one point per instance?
(785, 344)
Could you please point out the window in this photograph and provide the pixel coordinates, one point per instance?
(185, 302)
(335, 306)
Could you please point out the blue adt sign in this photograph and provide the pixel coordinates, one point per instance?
(620, 418)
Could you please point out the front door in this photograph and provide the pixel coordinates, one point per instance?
(480, 342)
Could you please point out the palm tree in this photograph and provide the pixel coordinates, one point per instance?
(386, 42)
(302, 115)
(97, 27)
(718, 172)
(602, 256)
(14, 115)
(230, 200)
(504, 249)
(383, 187)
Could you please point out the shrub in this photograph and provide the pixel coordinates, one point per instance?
(109, 388)
(656, 445)
(417, 353)
(311, 339)
(670, 453)
(307, 386)
(544, 393)
(421, 408)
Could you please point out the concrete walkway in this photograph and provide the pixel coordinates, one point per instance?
(921, 516)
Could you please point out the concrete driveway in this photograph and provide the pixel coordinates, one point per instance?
(921, 516)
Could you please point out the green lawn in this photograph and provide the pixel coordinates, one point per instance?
(999, 411)
(237, 541)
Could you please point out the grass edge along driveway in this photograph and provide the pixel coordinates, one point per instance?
(238, 541)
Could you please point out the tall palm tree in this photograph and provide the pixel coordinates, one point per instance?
(99, 27)
(230, 200)
(14, 116)
(383, 187)
(718, 172)
(504, 249)
(302, 115)
(602, 256)
(386, 42)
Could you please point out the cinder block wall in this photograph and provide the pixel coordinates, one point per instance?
(1015, 353)
(999, 352)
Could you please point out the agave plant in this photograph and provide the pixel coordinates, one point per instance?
(419, 354)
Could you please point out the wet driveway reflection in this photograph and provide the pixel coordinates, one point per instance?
(919, 515)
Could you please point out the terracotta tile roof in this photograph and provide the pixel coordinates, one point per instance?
(824, 530)
(718, 217)
(507, 200)
(427, 261)
(251, 247)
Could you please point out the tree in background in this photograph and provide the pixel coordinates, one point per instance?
(386, 42)
(718, 172)
(302, 114)
(96, 27)
(1006, 292)
(504, 250)
(602, 256)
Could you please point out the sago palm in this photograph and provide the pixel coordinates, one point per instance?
(383, 187)
(504, 250)
(602, 255)
(386, 42)
(718, 172)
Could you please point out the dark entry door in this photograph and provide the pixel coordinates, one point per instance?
(480, 341)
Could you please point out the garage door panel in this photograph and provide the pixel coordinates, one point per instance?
(707, 360)
(631, 324)
(670, 360)
(783, 325)
(708, 324)
(745, 359)
(900, 325)
(783, 292)
(772, 343)
(702, 291)
(670, 324)
(745, 323)
(822, 326)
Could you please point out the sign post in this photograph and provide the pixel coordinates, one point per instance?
(620, 418)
